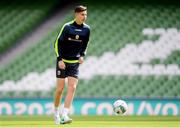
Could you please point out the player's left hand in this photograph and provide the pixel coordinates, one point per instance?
(81, 60)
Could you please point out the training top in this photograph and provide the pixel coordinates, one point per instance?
(72, 41)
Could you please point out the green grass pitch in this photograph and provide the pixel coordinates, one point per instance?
(92, 122)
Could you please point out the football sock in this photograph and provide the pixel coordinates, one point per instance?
(65, 111)
(56, 110)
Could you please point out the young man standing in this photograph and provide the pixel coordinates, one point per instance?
(70, 48)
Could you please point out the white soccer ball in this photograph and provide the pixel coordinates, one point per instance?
(120, 107)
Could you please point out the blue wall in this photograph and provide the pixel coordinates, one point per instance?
(91, 106)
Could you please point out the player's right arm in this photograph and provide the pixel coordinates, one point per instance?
(60, 39)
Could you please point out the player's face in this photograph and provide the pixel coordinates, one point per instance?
(81, 17)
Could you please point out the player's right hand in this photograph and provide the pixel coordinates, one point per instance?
(61, 64)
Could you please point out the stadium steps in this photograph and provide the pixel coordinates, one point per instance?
(119, 30)
(19, 18)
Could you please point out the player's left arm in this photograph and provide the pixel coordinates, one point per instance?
(85, 45)
(84, 48)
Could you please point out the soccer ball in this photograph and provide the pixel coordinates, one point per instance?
(120, 107)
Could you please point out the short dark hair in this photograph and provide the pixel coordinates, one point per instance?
(80, 8)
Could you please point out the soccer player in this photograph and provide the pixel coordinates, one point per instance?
(70, 48)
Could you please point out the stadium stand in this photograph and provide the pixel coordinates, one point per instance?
(19, 17)
(133, 52)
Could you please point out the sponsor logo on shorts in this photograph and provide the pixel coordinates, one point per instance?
(59, 72)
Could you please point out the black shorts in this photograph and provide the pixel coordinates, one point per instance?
(72, 69)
